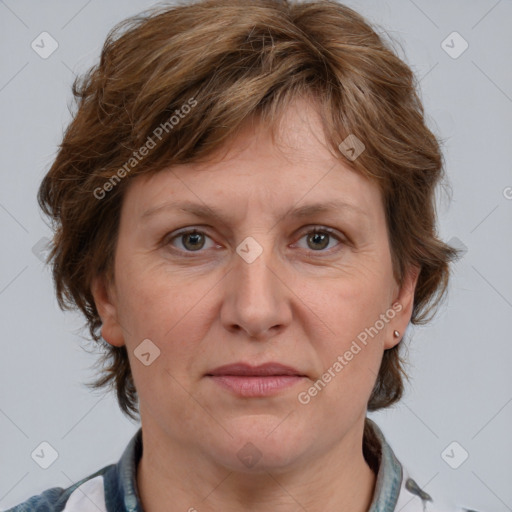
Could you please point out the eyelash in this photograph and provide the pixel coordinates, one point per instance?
(167, 241)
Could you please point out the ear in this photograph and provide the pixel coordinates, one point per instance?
(403, 304)
(105, 300)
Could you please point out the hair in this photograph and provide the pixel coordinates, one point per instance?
(213, 65)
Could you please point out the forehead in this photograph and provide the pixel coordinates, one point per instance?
(296, 171)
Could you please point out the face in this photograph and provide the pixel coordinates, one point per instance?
(262, 281)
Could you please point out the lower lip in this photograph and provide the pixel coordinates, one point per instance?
(256, 386)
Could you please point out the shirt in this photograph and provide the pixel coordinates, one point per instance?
(114, 487)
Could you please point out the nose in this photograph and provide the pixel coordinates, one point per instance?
(256, 299)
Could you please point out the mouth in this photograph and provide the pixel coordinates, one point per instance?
(255, 381)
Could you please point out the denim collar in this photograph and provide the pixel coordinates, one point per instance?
(120, 484)
(389, 476)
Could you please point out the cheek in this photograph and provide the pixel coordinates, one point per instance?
(352, 348)
(350, 305)
(154, 300)
(155, 309)
(350, 316)
(160, 306)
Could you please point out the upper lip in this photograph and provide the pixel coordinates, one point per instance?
(244, 369)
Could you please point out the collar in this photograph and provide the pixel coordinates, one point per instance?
(389, 474)
(121, 491)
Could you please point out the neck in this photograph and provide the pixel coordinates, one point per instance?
(171, 478)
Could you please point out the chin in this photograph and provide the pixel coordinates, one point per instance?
(260, 443)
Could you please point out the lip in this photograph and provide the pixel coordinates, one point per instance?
(245, 380)
(262, 370)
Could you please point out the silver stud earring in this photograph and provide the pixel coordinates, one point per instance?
(396, 334)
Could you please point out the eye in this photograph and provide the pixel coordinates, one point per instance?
(190, 241)
(318, 238)
(193, 240)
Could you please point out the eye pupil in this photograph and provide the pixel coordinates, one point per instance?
(318, 238)
(194, 236)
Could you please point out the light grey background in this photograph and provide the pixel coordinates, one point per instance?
(460, 364)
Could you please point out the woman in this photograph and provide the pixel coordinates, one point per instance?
(244, 212)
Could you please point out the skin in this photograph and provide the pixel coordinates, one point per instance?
(302, 302)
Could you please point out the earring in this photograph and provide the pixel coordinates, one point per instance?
(396, 334)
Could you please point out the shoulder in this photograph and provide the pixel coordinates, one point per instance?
(86, 494)
(414, 499)
(396, 490)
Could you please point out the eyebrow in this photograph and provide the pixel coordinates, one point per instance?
(205, 212)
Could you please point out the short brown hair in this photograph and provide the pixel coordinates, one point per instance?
(240, 59)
